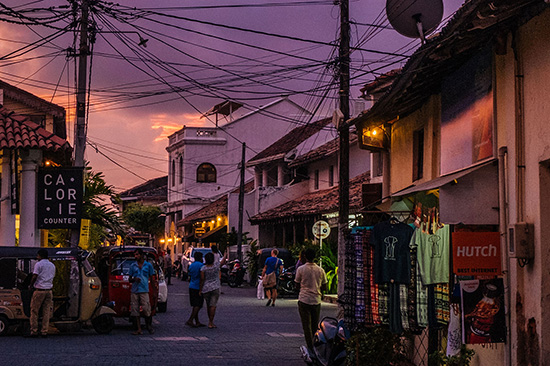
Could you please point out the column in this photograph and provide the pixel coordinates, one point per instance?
(29, 235)
(280, 175)
(7, 220)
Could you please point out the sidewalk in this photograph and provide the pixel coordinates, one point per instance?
(330, 298)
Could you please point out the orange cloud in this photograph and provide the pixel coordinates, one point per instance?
(169, 124)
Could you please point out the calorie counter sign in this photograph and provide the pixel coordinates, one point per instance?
(60, 192)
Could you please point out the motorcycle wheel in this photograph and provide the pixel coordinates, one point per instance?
(103, 324)
(232, 281)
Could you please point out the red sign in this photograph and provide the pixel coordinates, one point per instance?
(476, 254)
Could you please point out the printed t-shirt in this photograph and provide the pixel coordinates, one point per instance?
(195, 275)
(433, 255)
(310, 277)
(273, 264)
(211, 277)
(45, 272)
(392, 262)
(143, 274)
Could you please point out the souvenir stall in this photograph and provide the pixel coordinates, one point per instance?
(438, 285)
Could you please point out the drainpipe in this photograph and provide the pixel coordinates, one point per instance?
(503, 227)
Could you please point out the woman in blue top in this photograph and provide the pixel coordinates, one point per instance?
(272, 264)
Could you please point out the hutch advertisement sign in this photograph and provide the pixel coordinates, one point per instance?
(476, 254)
(60, 192)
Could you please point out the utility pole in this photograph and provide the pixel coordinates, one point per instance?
(343, 151)
(241, 209)
(80, 123)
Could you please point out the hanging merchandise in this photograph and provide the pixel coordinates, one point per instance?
(391, 249)
(454, 334)
(483, 318)
(433, 253)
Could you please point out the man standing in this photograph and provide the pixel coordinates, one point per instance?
(311, 280)
(168, 267)
(42, 297)
(195, 298)
(140, 272)
(272, 264)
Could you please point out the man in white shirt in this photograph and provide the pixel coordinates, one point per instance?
(42, 297)
(310, 280)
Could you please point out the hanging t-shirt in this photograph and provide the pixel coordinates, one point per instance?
(433, 255)
(392, 262)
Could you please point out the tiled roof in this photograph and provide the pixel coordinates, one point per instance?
(31, 100)
(322, 152)
(18, 132)
(316, 203)
(157, 187)
(217, 207)
(291, 140)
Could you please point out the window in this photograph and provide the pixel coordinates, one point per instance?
(206, 173)
(331, 176)
(173, 172)
(418, 154)
(181, 169)
(316, 179)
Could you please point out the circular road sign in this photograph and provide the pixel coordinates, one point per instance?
(321, 230)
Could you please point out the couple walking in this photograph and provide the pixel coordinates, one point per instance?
(204, 286)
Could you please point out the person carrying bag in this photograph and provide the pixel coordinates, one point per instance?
(270, 274)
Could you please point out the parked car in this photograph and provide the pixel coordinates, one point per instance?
(162, 303)
(204, 251)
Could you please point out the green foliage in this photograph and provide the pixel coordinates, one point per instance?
(329, 261)
(145, 219)
(375, 347)
(94, 208)
(463, 358)
(252, 261)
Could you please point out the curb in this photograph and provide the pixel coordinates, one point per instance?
(333, 299)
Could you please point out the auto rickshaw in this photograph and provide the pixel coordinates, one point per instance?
(113, 267)
(76, 290)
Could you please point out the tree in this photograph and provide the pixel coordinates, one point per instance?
(145, 219)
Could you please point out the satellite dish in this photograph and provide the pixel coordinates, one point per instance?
(414, 18)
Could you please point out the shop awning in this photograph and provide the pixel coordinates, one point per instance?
(440, 181)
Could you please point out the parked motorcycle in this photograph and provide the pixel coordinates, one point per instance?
(329, 344)
(236, 276)
(287, 285)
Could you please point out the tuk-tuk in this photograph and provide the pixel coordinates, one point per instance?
(76, 290)
(113, 267)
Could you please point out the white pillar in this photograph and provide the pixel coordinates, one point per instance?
(280, 175)
(7, 220)
(265, 178)
(29, 235)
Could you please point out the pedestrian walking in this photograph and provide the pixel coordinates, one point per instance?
(140, 273)
(310, 280)
(177, 266)
(272, 265)
(42, 297)
(210, 285)
(168, 267)
(301, 260)
(195, 298)
(216, 252)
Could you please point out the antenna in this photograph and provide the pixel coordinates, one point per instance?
(414, 18)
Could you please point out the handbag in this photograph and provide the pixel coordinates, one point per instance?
(269, 280)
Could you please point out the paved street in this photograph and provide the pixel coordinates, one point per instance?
(248, 333)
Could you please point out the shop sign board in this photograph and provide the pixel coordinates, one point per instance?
(60, 192)
(321, 229)
(200, 231)
(476, 254)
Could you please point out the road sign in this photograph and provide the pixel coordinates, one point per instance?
(321, 229)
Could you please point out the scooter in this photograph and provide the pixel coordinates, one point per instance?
(329, 344)
(287, 286)
(236, 276)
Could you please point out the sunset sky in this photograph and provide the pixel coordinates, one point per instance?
(197, 55)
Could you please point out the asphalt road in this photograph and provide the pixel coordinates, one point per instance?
(248, 333)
